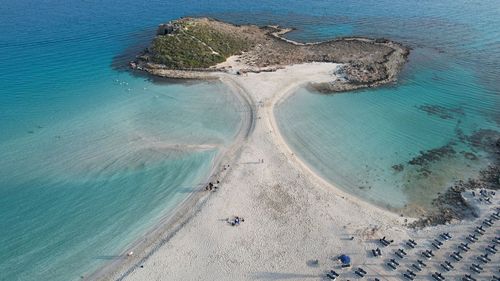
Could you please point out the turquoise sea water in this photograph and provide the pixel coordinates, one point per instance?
(92, 156)
(400, 145)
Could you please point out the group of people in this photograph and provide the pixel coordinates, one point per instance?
(211, 186)
(236, 221)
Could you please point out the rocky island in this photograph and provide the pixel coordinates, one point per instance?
(197, 48)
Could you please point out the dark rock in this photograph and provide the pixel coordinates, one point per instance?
(432, 155)
(398, 168)
(485, 139)
(441, 111)
(470, 155)
(167, 28)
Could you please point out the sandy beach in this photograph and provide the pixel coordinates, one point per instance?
(295, 222)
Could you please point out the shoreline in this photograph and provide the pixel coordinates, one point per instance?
(146, 247)
(198, 236)
(168, 226)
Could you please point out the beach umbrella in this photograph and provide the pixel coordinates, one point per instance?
(345, 259)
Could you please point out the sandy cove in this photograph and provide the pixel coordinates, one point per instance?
(292, 216)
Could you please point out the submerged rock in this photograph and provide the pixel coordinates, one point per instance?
(432, 155)
(485, 139)
(398, 168)
(470, 155)
(441, 111)
(451, 205)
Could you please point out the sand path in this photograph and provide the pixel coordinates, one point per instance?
(292, 216)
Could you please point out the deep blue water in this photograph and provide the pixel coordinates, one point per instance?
(92, 156)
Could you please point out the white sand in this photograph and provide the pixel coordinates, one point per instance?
(292, 216)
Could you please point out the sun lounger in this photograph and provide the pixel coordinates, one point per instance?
(391, 265)
(417, 267)
(411, 273)
(435, 246)
(475, 269)
(463, 248)
(394, 261)
(421, 263)
(359, 273)
(482, 259)
(385, 242)
(376, 252)
(409, 244)
(468, 277)
(492, 249)
(332, 277)
(472, 238)
(438, 242)
(485, 256)
(446, 235)
(438, 276)
(446, 267)
(488, 223)
(408, 276)
(478, 266)
(361, 270)
(449, 264)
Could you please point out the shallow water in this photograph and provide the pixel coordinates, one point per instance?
(79, 190)
(92, 156)
(369, 142)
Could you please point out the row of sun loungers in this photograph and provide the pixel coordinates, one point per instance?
(437, 244)
(456, 255)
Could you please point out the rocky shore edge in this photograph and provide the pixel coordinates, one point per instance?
(453, 205)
